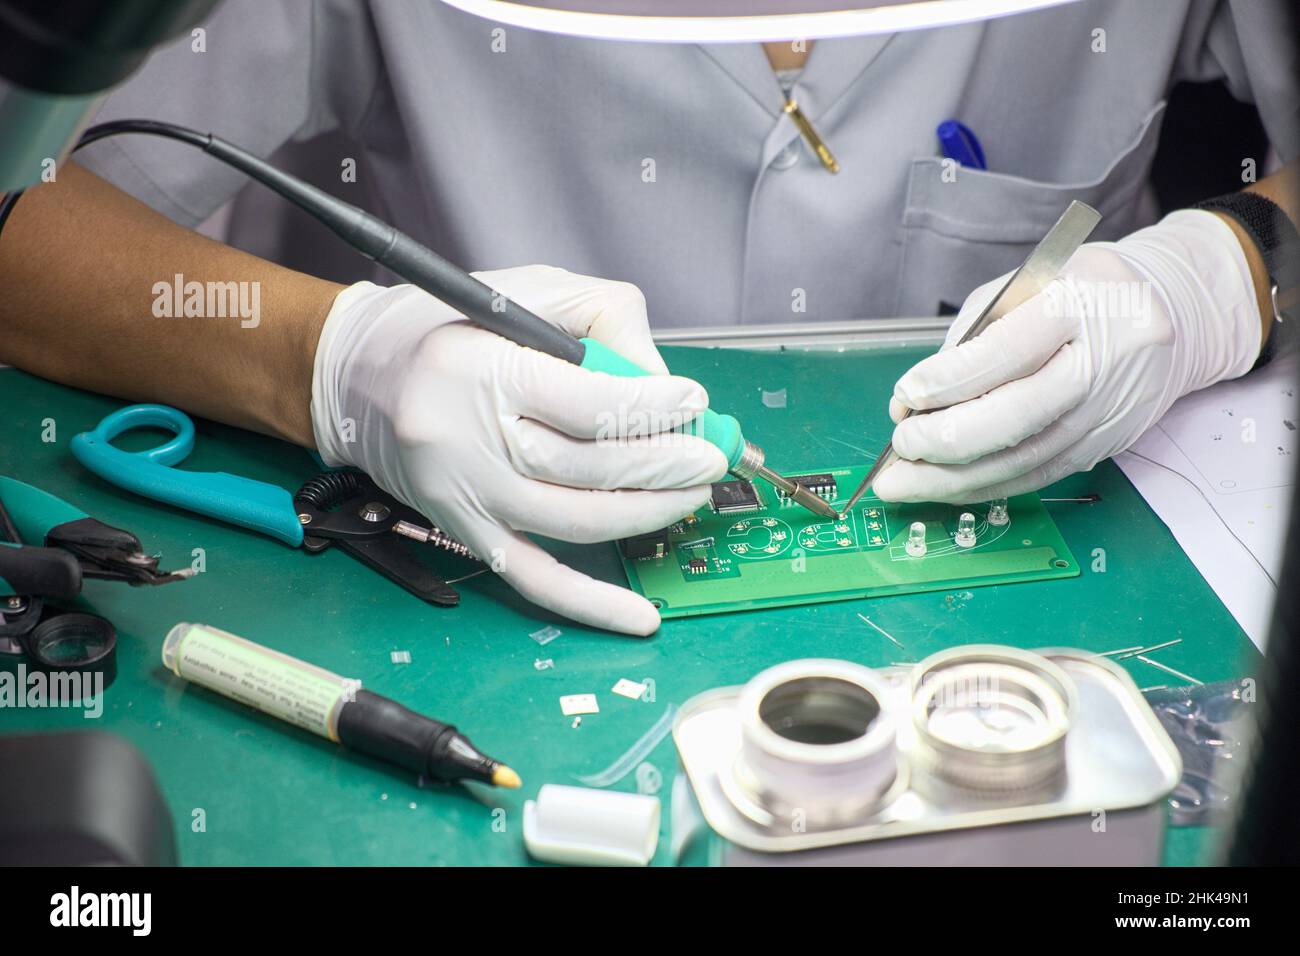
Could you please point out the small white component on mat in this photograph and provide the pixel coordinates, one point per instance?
(584, 827)
(579, 704)
(629, 689)
(648, 779)
(400, 657)
(547, 634)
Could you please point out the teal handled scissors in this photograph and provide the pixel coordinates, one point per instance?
(342, 508)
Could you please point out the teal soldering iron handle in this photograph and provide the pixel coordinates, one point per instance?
(720, 430)
(251, 504)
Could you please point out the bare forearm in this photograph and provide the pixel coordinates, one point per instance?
(90, 280)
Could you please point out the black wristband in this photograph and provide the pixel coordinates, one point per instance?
(1278, 241)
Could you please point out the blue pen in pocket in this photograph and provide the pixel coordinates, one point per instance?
(959, 143)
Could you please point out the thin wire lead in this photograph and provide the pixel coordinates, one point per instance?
(1153, 647)
(889, 637)
(1169, 670)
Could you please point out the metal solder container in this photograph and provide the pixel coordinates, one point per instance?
(978, 755)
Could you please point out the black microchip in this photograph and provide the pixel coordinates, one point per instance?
(697, 565)
(735, 496)
(651, 545)
(822, 484)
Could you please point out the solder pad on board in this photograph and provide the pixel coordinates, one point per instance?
(782, 554)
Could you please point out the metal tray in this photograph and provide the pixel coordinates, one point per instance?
(1117, 758)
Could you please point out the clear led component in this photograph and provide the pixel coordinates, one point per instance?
(916, 539)
(965, 530)
(998, 512)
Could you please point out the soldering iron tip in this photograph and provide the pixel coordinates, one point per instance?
(815, 504)
(503, 776)
(833, 514)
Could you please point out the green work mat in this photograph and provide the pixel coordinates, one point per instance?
(244, 788)
(779, 554)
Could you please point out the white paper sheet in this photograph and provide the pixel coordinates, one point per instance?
(1219, 470)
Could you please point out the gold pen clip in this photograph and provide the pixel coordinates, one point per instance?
(806, 128)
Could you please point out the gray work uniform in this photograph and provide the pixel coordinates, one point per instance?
(674, 166)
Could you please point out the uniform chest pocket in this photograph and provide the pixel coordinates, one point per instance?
(956, 235)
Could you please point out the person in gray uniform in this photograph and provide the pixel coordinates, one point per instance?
(612, 187)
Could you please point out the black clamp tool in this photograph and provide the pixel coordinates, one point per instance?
(348, 509)
(72, 547)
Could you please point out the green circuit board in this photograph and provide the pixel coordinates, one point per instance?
(754, 550)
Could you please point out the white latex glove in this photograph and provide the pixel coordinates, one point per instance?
(1078, 372)
(490, 440)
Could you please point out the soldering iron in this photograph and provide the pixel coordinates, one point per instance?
(422, 267)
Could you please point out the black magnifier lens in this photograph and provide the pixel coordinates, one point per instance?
(74, 642)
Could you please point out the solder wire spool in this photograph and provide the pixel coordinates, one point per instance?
(991, 719)
(818, 745)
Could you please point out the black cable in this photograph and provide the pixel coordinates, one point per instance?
(152, 127)
(103, 130)
(7, 204)
(369, 235)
